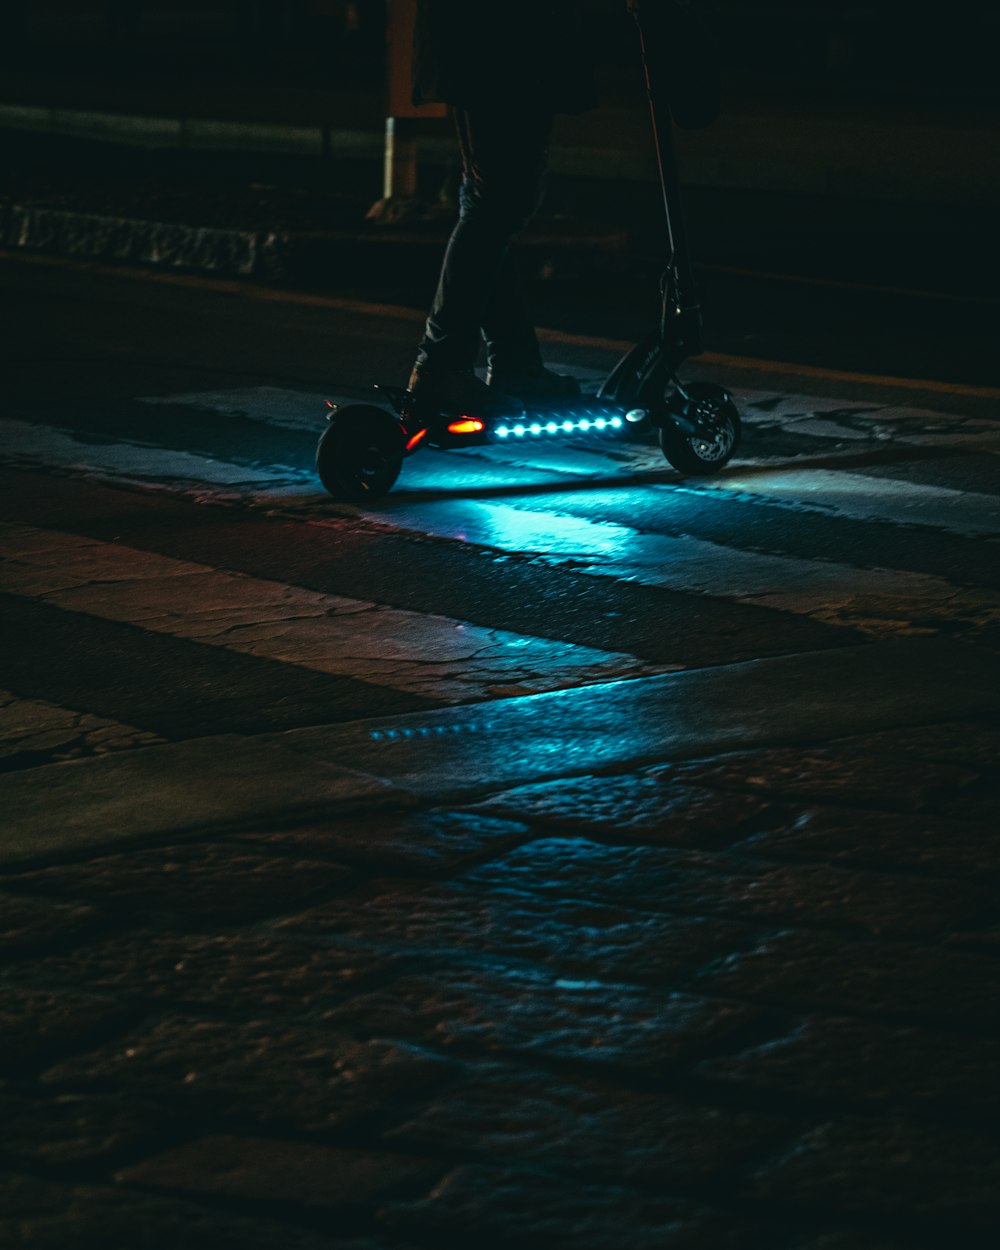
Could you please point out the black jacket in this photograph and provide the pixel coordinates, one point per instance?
(473, 52)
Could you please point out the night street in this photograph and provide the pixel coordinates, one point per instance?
(624, 989)
(177, 421)
(557, 850)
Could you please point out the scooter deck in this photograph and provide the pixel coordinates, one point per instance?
(581, 415)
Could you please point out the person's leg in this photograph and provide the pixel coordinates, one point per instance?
(519, 157)
(503, 155)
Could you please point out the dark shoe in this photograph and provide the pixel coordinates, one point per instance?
(462, 394)
(542, 387)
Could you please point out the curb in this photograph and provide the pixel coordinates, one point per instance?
(264, 254)
(457, 753)
(811, 696)
(123, 240)
(172, 791)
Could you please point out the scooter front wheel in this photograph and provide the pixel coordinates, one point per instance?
(706, 432)
(360, 453)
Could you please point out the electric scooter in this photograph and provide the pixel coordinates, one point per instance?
(362, 449)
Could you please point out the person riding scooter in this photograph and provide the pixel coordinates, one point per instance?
(504, 68)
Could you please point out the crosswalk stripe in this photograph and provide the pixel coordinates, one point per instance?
(879, 602)
(829, 417)
(820, 417)
(436, 657)
(839, 492)
(829, 493)
(338, 554)
(875, 601)
(30, 442)
(275, 405)
(844, 494)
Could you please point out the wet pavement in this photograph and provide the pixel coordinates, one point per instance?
(623, 878)
(742, 999)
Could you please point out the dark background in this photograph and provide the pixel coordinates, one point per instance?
(859, 149)
(876, 51)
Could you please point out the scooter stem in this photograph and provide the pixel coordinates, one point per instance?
(680, 304)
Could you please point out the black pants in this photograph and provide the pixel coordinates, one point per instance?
(504, 154)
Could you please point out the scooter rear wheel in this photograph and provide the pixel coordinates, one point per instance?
(360, 453)
(717, 429)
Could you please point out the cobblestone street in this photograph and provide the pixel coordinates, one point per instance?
(747, 1000)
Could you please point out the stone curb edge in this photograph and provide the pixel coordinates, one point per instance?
(174, 790)
(455, 753)
(227, 252)
(813, 697)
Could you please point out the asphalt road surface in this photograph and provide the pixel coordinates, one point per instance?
(176, 570)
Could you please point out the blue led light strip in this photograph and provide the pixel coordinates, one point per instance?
(534, 428)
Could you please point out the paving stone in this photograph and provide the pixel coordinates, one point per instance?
(425, 842)
(39, 1024)
(31, 924)
(888, 1168)
(247, 971)
(217, 882)
(257, 1073)
(610, 942)
(253, 1169)
(659, 879)
(843, 774)
(539, 1014)
(847, 1060)
(616, 1135)
(533, 1210)
(48, 1216)
(950, 848)
(922, 984)
(73, 1129)
(634, 808)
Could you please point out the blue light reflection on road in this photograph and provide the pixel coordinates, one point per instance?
(515, 529)
(515, 740)
(465, 507)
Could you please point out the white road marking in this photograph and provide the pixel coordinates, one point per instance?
(831, 493)
(422, 653)
(840, 493)
(275, 405)
(823, 417)
(877, 601)
(26, 442)
(828, 417)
